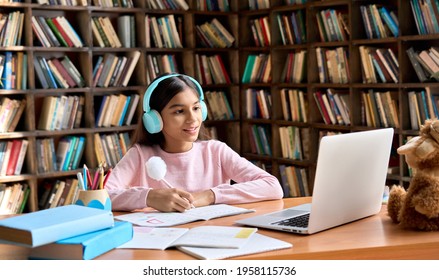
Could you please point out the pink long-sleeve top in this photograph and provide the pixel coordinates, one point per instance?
(208, 165)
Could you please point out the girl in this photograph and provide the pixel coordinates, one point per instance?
(200, 171)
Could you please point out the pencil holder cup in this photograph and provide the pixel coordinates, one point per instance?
(94, 198)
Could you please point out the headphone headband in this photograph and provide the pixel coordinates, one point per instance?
(151, 119)
(153, 85)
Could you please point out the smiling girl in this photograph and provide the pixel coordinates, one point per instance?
(201, 171)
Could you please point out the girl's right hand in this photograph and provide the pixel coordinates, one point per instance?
(169, 200)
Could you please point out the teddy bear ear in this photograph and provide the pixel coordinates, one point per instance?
(410, 146)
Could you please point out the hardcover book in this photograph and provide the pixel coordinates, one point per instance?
(50, 225)
(85, 246)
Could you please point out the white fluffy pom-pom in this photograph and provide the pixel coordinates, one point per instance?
(156, 168)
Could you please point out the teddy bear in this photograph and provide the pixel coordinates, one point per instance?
(418, 207)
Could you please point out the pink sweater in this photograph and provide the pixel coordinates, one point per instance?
(208, 165)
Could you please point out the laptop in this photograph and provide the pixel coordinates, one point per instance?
(349, 184)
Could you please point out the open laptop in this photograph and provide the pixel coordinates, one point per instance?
(349, 184)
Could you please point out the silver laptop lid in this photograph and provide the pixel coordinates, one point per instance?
(350, 177)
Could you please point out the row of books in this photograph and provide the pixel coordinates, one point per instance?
(260, 28)
(381, 109)
(292, 2)
(64, 2)
(333, 65)
(57, 72)
(55, 32)
(378, 65)
(260, 139)
(379, 21)
(218, 105)
(294, 181)
(12, 155)
(425, 62)
(332, 25)
(13, 72)
(294, 105)
(10, 113)
(214, 35)
(210, 69)
(259, 104)
(333, 106)
(58, 193)
(168, 4)
(126, 30)
(11, 28)
(291, 142)
(104, 33)
(258, 4)
(426, 15)
(61, 112)
(158, 64)
(257, 69)
(13, 198)
(110, 3)
(69, 152)
(164, 31)
(213, 5)
(292, 28)
(111, 70)
(66, 156)
(294, 68)
(117, 110)
(110, 148)
(423, 105)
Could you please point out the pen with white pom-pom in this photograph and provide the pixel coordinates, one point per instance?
(156, 169)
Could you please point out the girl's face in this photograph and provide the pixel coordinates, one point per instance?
(181, 121)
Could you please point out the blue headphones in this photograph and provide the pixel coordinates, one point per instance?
(151, 118)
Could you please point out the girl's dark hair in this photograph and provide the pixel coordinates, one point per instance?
(160, 97)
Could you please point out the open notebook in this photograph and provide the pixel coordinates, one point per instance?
(349, 184)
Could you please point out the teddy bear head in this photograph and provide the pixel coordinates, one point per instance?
(422, 152)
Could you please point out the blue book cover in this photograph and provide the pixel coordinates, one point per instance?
(71, 152)
(53, 224)
(79, 153)
(248, 68)
(389, 21)
(125, 109)
(86, 246)
(7, 73)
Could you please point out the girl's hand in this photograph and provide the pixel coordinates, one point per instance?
(169, 200)
(203, 198)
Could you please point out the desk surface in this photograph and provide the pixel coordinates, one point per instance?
(375, 237)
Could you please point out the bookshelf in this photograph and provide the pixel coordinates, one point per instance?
(236, 129)
(44, 162)
(351, 87)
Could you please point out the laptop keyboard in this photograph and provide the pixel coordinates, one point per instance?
(299, 221)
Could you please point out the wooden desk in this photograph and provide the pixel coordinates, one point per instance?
(375, 237)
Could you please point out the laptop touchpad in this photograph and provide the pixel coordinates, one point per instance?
(288, 213)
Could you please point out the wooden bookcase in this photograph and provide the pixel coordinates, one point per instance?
(235, 132)
(408, 37)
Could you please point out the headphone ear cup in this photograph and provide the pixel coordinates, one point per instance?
(152, 121)
(203, 110)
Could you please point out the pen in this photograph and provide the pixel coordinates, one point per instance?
(106, 177)
(84, 177)
(170, 186)
(101, 177)
(80, 181)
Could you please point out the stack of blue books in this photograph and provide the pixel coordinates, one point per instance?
(66, 232)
